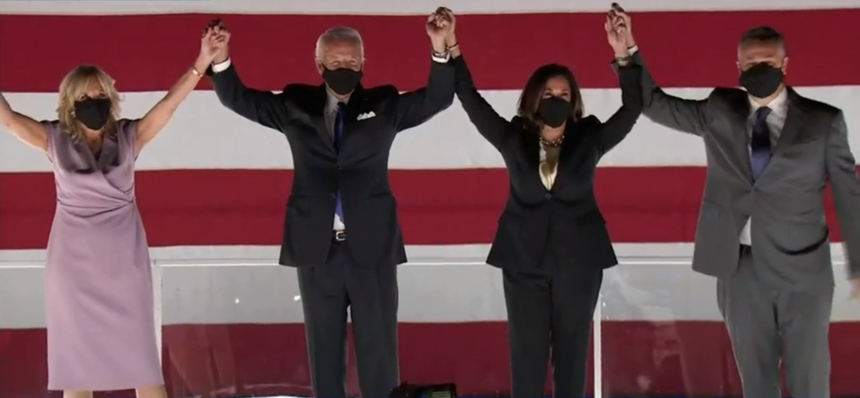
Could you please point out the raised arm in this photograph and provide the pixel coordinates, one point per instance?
(632, 102)
(410, 109)
(154, 121)
(842, 172)
(262, 107)
(632, 95)
(684, 115)
(416, 107)
(487, 121)
(688, 116)
(26, 129)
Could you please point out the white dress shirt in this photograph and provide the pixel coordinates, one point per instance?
(331, 107)
(775, 122)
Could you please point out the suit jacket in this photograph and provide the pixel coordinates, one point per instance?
(565, 219)
(789, 232)
(359, 170)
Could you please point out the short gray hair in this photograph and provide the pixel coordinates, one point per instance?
(339, 33)
(763, 34)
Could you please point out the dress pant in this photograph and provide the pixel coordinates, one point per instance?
(770, 325)
(549, 321)
(371, 296)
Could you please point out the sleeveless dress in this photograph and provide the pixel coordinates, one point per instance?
(100, 321)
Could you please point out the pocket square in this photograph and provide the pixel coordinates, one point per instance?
(366, 115)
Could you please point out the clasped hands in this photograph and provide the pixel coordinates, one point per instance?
(619, 32)
(213, 44)
(440, 27)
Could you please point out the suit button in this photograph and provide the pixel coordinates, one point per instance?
(548, 196)
(339, 168)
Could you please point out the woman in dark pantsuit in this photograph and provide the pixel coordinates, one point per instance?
(552, 244)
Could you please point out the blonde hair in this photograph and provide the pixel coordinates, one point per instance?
(73, 87)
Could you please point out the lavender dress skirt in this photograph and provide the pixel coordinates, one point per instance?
(101, 326)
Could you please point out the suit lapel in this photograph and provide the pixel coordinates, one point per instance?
(317, 116)
(794, 121)
(739, 115)
(570, 149)
(531, 146)
(354, 108)
(355, 104)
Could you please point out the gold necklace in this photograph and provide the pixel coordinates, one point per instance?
(552, 143)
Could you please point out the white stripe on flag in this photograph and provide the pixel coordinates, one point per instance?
(205, 135)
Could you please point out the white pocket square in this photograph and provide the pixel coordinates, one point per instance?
(366, 115)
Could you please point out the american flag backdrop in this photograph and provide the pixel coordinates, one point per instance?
(212, 188)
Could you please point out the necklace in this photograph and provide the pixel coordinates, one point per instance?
(552, 143)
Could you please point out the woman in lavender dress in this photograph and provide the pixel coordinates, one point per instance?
(100, 321)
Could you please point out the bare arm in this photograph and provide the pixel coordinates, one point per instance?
(153, 122)
(25, 128)
(157, 117)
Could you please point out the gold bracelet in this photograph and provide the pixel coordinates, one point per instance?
(454, 46)
(196, 72)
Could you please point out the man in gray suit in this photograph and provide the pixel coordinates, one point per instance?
(762, 230)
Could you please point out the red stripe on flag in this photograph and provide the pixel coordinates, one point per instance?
(246, 207)
(150, 52)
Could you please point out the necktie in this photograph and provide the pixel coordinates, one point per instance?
(760, 150)
(339, 124)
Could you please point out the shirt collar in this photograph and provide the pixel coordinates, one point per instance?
(778, 105)
(331, 101)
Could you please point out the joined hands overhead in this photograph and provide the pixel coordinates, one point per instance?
(619, 31)
(213, 45)
(440, 27)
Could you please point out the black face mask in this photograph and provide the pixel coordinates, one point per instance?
(761, 80)
(554, 111)
(342, 81)
(93, 112)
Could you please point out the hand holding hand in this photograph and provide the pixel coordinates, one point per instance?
(616, 34)
(213, 45)
(438, 27)
(447, 15)
(618, 12)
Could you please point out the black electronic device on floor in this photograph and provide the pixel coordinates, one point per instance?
(407, 390)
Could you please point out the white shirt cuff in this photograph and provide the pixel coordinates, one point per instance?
(442, 60)
(218, 68)
(631, 50)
